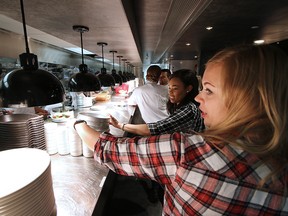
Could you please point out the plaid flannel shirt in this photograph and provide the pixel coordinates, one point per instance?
(199, 179)
(185, 119)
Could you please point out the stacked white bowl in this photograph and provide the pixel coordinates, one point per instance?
(74, 140)
(51, 136)
(63, 142)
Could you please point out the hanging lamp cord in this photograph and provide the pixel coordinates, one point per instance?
(113, 61)
(120, 63)
(82, 47)
(24, 26)
(102, 56)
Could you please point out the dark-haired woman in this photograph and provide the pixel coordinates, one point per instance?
(184, 115)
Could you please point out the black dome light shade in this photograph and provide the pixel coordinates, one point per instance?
(83, 81)
(107, 80)
(117, 77)
(30, 86)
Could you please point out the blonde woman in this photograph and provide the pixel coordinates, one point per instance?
(238, 165)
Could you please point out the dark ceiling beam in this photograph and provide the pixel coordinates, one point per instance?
(129, 9)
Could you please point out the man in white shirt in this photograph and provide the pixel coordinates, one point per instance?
(164, 77)
(151, 98)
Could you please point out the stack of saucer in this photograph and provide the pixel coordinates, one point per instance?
(36, 132)
(22, 130)
(26, 183)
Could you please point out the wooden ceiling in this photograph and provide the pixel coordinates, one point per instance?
(150, 31)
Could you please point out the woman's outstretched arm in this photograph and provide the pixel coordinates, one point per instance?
(140, 129)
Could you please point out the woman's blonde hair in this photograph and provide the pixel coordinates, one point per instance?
(255, 83)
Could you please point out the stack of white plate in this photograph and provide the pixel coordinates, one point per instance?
(26, 183)
(36, 132)
(51, 136)
(99, 120)
(22, 130)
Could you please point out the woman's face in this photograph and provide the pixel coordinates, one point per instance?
(212, 104)
(177, 90)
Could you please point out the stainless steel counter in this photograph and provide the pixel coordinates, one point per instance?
(78, 181)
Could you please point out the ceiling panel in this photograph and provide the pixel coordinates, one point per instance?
(149, 31)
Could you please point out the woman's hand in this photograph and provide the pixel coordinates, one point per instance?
(114, 122)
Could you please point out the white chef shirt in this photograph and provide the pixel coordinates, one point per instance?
(151, 99)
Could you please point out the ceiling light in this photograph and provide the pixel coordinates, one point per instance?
(209, 28)
(188, 44)
(79, 50)
(83, 81)
(254, 27)
(29, 86)
(259, 41)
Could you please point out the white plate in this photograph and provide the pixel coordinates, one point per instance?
(58, 120)
(98, 108)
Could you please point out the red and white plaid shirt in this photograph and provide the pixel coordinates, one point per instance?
(199, 179)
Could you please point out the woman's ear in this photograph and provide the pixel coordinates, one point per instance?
(189, 88)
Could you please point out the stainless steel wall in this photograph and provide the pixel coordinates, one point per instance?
(11, 45)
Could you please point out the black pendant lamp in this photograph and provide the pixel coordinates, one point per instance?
(130, 74)
(107, 80)
(83, 81)
(127, 70)
(117, 77)
(124, 70)
(131, 71)
(120, 72)
(30, 86)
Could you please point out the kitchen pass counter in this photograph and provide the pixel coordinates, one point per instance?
(78, 182)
